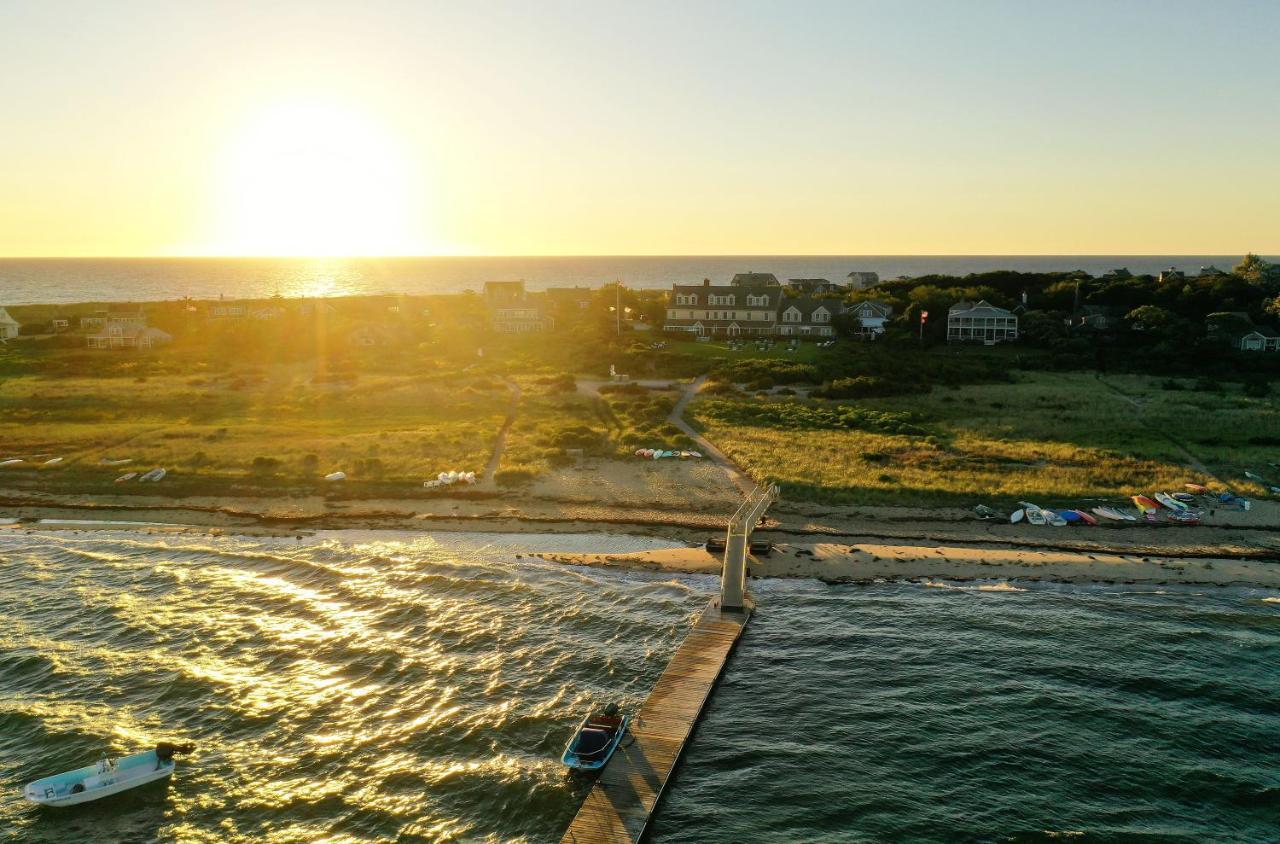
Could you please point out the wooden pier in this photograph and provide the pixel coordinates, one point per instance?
(623, 799)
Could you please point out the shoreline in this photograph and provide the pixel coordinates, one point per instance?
(906, 546)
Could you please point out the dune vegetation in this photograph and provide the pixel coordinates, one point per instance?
(1048, 437)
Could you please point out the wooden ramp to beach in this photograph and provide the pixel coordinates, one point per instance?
(624, 797)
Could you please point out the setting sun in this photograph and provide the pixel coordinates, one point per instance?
(311, 178)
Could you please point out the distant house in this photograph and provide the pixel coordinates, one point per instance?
(725, 310)
(861, 278)
(513, 310)
(568, 303)
(1171, 274)
(805, 316)
(983, 322)
(754, 279)
(1211, 272)
(97, 319)
(127, 336)
(269, 312)
(228, 310)
(1118, 273)
(871, 317)
(124, 315)
(811, 286)
(9, 326)
(1261, 339)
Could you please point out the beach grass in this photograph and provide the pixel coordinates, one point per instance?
(1054, 438)
(271, 426)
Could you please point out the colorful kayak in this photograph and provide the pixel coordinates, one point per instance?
(1170, 502)
(1198, 489)
(1144, 504)
(1069, 516)
(1116, 515)
(1085, 517)
(1183, 517)
(107, 777)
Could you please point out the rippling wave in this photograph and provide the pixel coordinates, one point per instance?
(900, 713)
(375, 686)
(347, 688)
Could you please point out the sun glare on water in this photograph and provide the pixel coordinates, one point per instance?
(315, 179)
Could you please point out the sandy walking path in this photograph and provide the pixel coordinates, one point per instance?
(740, 479)
(495, 459)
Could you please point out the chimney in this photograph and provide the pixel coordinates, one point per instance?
(706, 282)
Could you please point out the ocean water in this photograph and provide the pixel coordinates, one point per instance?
(66, 280)
(357, 687)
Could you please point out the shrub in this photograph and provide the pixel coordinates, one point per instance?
(866, 387)
(1207, 385)
(265, 465)
(796, 416)
(1257, 389)
(1171, 384)
(513, 477)
(562, 383)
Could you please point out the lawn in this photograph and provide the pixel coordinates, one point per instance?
(1048, 437)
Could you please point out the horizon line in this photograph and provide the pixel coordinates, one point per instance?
(641, 255)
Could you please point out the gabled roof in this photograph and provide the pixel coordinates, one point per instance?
(772, 293)
(981, 309)
(755, 280)
(1264, 331)
(6, 319)
(806, 305)
(879, 308)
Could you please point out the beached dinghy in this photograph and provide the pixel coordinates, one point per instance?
(1034, 514)
(595, 740)
(155, 476)
(1016, 516)
(1057, 519)
(107, 777)
(127, 476)
(12, 461)
(1197, 489)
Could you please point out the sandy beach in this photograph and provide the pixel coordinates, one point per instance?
(689, 503)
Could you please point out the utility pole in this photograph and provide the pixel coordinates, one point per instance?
(617, 309)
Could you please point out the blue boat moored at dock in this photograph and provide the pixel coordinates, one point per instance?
(595, 740)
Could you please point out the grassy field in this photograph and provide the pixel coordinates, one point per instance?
(1048, 437)
(270, 426)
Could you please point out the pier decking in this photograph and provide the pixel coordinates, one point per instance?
(623, 799)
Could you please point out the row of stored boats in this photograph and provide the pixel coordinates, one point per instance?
(1186, 508)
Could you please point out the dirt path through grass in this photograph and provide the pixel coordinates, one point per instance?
(737, 477)
(495, 459)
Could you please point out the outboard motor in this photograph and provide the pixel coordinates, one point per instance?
(165, 750)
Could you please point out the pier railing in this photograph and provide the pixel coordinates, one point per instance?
(733, 579)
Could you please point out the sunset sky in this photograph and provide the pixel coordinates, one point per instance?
(187, 128)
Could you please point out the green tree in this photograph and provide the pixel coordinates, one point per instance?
(1254, 269)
